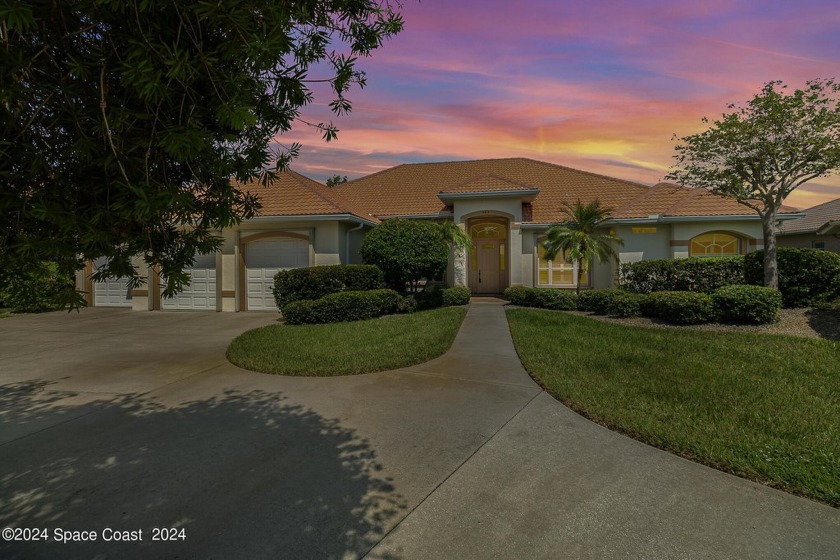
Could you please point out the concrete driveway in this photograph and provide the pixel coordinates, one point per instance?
(118, 422)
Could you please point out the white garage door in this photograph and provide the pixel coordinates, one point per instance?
(201, 291)
(264, 259)
(113, 292)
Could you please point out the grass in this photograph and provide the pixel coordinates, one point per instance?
(348, 348)
(765, 407)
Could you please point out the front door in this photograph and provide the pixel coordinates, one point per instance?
(488, 275)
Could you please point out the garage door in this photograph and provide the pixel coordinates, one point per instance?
(264, 259)
(201, 291)
(113, 292)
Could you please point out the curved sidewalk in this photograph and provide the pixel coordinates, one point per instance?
(551, 484)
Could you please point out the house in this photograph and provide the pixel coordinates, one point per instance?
(818, 229)
(506, 205)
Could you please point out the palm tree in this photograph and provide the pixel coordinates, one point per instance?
(579, 236)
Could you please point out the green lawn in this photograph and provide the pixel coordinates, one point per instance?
(348, 348)
(761, 406)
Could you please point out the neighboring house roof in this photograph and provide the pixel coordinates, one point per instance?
(414, 189)
(292, 194)
(817, 219)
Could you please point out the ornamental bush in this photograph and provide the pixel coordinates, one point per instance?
(598, 301)
(545, 298)
(406, 251)
(315, 282)
(693, 274)
(625, 304)
(747, 304)
(806, 276)
(343, 306)
(36, 289)
(459, 295)
(681, 308)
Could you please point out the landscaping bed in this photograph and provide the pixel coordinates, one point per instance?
(761, 406)
(348, 348)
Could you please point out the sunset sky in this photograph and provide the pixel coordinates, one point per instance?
(600, 85)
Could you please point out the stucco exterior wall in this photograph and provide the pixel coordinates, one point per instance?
(805, 240)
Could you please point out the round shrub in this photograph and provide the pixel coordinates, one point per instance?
(598, 301)
(318, 281)
(747, 304)
(559, 300)
(520, 295)
(624, 304)
(343, 306)
(805, 275)
(407, 251)
(681, 308)
(459, 295)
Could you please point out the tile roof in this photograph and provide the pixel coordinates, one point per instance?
(292, 194)
(486, 183)
(413, 188)
(814, 219)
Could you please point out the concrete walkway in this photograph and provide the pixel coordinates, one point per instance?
(120, 420)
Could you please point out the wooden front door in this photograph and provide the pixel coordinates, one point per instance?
(488, 274)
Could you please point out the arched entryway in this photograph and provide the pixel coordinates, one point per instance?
(489, 267)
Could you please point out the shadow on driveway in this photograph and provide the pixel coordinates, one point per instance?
(245, 474)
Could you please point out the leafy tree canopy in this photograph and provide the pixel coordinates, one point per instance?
(760, 152)
(124, 121)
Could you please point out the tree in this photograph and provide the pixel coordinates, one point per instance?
(407, 251)
(336, 180)
(580, 237)
(124, 121)
(760, 152)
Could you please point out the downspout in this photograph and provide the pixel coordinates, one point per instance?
(347, 242)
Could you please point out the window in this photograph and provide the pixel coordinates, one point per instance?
(715, 245)
(559, 272)
(817, 244)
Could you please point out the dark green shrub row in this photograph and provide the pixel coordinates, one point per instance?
(598, 301)
(690, 275)
(315, 282)
(343, 306)
(747, 304)
(545, 298)
(435, 296)
(806, 276)
(681, 308)
(38, 289)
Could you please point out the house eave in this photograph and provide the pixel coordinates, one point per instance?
(312, 218)
(416, 216)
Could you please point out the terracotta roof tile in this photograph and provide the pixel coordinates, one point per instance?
(292, 194)
(815, 218)
(486, 183)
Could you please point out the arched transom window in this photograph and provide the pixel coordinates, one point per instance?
(715, 244)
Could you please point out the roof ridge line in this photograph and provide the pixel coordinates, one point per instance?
(696, 192)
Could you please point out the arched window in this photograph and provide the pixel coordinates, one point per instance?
(559, 272)
(715, 244)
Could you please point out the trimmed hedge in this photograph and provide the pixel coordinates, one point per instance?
(806, 276)
(681, 308)
(692, 275)
(315, 282)
(545, 298)
(343, 306)
(598, 301)
(625, 304)
(747, 304)
(459, 295)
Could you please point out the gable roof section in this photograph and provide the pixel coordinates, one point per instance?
(292, 194)
(413, 189)
(815, 218)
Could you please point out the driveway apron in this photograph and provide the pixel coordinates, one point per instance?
(131, 436)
